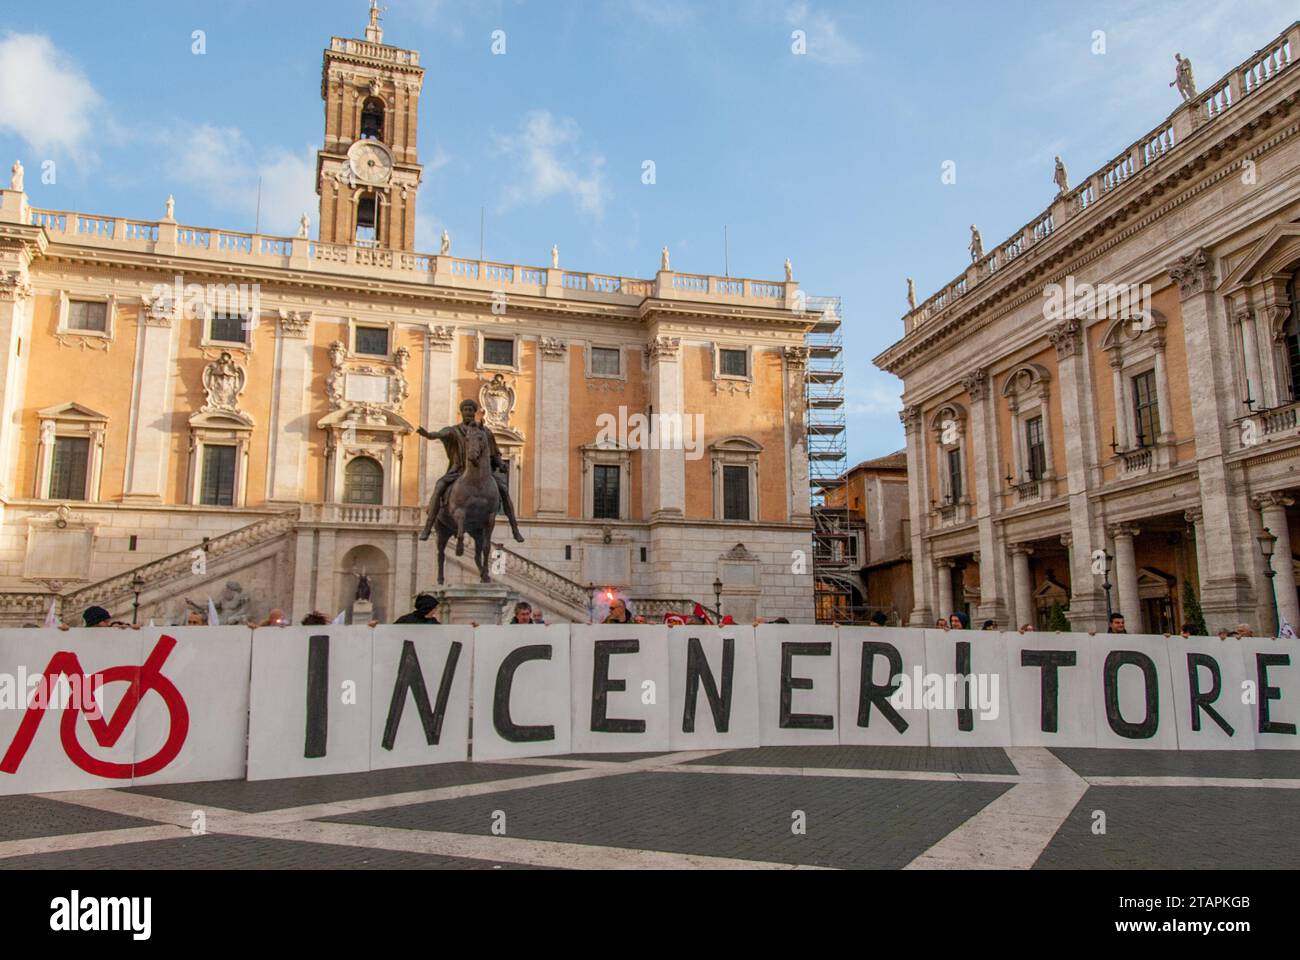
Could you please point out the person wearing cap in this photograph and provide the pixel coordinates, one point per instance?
(97, 617)
(878, 619)
(425, 605)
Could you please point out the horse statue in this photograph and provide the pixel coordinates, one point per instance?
(472, 502)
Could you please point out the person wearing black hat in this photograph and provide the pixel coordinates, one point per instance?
(425, 605)
(97, 617)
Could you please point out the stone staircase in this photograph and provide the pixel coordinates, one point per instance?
(161, 580)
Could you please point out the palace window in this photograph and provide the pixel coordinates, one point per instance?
(733, 363)
(605, 491)
(217, 485)
(498, 353)
(88, 316)
(1146, 409)
(605, 362)
(367, 220)
(1035, 449)
(228, 328)
(1291, 336)
(372, 341)
(363, 481)
(69, 468)
(735, 479)
(954, 492)
(372, 119)
(735, 493)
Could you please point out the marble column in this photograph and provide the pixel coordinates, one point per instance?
(666, 490)
(1196, 517)
(437, 410)
(943, 574)
(1272, 508)
(1020, 554)
(795, 365)
(150, 435)
(1229, 594)
(921, 615)
(1087, 601)
(1126, 576)
(552, 447)
(983, 442)
(290, 430)
(15, 322)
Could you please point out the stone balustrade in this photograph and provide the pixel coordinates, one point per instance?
(166, 237)
(1219, 99)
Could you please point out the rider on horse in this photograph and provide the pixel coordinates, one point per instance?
(454, 446)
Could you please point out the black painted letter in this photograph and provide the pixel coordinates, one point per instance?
(1110, 680)
(1201, 701)
(318, 710)
(505, 727)
(601, 685)
(697, 668)
(1049, 661)
(800, 721)
(410, 677)
(1266, 693)
(871, 693)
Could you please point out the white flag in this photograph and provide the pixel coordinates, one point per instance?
(213, 619)
(341, 619)
(52, 616)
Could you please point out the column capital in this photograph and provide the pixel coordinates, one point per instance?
(1194, 515)
(910, 417)
(1276, 499)
(1020, 549)
(1066, 336)
(553, 348)
(944, 562)
(158, 311)
(976, 384)
(439, 338)
(1122, 531)
(1067, 540)
(796, 357)
(1192, 273)
(295, 324)
(14, 286)
(662, 349)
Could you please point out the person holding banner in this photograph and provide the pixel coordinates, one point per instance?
(425, 606)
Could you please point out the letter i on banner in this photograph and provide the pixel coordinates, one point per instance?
(310, 710)
(965, 689)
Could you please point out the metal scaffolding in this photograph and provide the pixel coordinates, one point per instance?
(835, 560)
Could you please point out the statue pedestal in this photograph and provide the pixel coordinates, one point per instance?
(481, 603)
(363, 611)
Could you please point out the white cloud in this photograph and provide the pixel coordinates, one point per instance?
(873, 398)
(826, 43)
(44, 97)
(549, 161)
(221, 166)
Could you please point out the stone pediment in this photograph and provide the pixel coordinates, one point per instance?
(71, 411)
(1276, 250)
(366, 417)
(222, 420)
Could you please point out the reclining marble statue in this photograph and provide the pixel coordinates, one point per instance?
(472, 491)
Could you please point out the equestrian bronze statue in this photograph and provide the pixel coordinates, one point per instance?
(471, 493)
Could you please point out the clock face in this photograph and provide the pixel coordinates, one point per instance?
(371, 161)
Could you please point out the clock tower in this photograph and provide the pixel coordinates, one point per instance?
(367, 175)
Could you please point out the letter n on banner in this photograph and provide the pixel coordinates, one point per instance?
(522, 692)
(798, 684)
(714, 703)
(419, 710)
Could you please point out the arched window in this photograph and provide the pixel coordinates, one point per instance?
(1291, 335)
(367, 220)
(372, 119)
(363, 481)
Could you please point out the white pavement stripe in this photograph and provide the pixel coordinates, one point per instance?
(177, 812)
(1193, 782)
(946, 776)
(1012, 831)
(538, 853)
(86, 841)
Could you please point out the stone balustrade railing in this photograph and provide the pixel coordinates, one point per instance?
(359, 514)
(1218, 99)
(167, 237)
(375, 51)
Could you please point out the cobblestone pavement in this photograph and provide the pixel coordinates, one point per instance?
(767, 808)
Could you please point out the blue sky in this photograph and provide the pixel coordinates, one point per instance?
(832, 158)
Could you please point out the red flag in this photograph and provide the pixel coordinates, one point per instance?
(674, 620)
(701, 614)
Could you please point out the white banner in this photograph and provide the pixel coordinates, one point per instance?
(107, 708)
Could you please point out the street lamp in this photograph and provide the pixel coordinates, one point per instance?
(1106, 585)
(717, 598)
(137, 587)
(1266, 544)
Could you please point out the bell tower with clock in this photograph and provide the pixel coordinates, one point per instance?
(367, 174)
